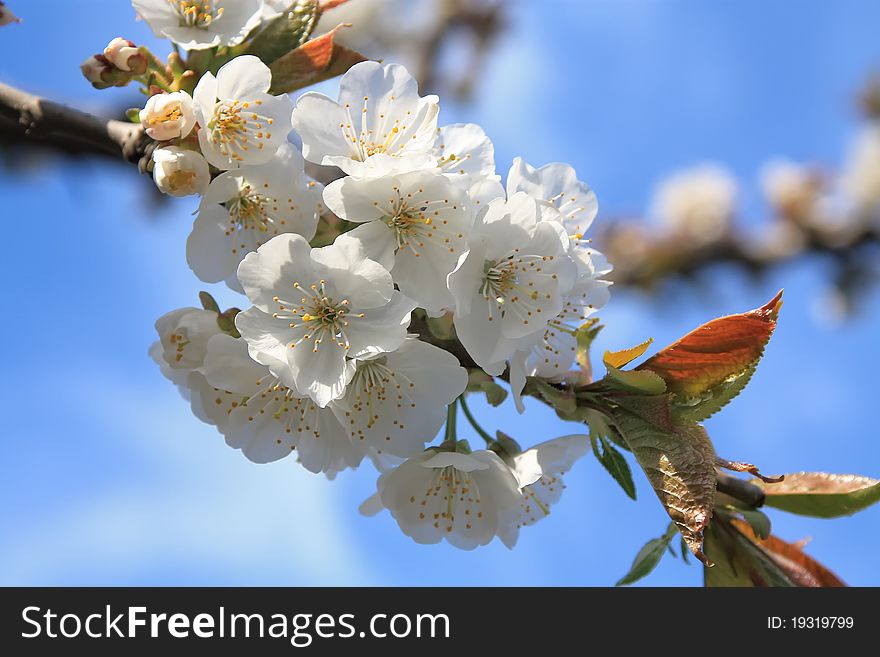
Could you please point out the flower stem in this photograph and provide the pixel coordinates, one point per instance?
(451, 414)
(467, 413)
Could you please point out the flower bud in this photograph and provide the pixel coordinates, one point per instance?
(168, 116)
(125, 56)
(97, 70)
(6, 15)
(180, 172)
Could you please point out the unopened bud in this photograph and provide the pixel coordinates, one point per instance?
(180, 172)
(6, 16)
(125, 56)
(96, 70)
(168, 116)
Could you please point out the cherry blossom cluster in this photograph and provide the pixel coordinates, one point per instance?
(322, 364)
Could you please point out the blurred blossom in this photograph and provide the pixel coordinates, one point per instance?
(792, 189)
(697, 203)
(861, 176)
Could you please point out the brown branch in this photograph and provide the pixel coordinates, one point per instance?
(664, 259)
(25, 118)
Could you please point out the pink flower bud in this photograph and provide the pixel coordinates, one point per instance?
(125, 56)
(95, 69)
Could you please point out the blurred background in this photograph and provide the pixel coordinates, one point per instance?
(732, 150)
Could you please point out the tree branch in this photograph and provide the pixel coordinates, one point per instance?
(28, 118)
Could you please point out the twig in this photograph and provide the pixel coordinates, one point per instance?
(29, 118)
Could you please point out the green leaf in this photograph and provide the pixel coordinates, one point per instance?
(700, 407)
(738, 561)
(758, 521)
(648, 557)
(479, 381)
(614, 462)
(821, 495)
(641, 381)
(208, 302)
(563, 401)
(585, 334)
(286, 32)
(680, 464)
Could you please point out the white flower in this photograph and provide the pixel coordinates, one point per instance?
(396, 402)
(240, 123)
(463, 498)
(511, 283)
(697, 204)
(557, 185)
(168, 116)
(245, 208)
(180, 172)
(794, 191)
(200, 24)
(194, 388)
(314, 309)
(861, 177)
(416, 225)
(467, 156)
(539, 472)
(267, 420)
(125, 56)
(6, 15)
(379, 124)
(184, 335)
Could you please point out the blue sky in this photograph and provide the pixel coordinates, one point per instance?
(109, 479)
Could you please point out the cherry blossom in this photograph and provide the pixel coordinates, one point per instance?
(243, 209)
(240, 122)
(168, 116)
(379, 124)
(180, 172)
(317, 309)
(200, 24)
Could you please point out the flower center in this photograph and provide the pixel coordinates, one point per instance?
(385, 137)
(196, 13)
(248, 211)
(235, 127)
(181, 179)
(319, 316)
(173, 113)
(512, 284)
(408, 225)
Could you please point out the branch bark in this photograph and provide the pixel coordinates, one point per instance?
(28, 118)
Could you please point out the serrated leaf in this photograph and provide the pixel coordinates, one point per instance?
(648, 557)
(681, 468)
(479, 381)
(717, 351)
(614, 462)
(821, 495)
(625, 356)
(564, 401)
(315, 61)
(643, 382)
(701, 407)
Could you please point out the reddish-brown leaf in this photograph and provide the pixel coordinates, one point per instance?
(315, 61)
(799, 567)
(716, 351)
